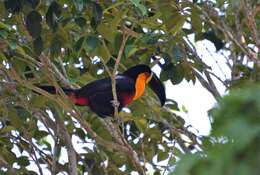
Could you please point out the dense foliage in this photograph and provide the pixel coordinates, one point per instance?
(69, 43)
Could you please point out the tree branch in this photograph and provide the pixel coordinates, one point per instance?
(250, 13)
(71, 152)
(113, 78)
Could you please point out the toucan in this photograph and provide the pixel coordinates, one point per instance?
(130, 85)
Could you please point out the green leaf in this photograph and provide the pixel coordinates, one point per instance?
(19, 66)
(177, 53)
(171, 16)
(172, 105)
(79, 44)
(141, 123)
(196, 20)
(73, 72)
(174, 72)
(92, 42)
(55, 47)
(23, 161)
(211, 36)
(54, 12)
(44, 142)
(106, 32)
(33, 23)
(7, 155)
(177, 74)
(178, 24)
(12, 45)
(80, 133)
(97, 15)
(15, 120)
(5, 27)
(38, 101)
(6, 129)
(79, 4)
(33, 3)
(80, 21)
(139, 6)
(151, 38)
(162, 156)
(130, 50)
(40, 134)
(102, 52)
(13, 6)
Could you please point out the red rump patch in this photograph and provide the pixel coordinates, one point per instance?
(81, 101)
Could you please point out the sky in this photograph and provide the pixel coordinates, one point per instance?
(196, 99)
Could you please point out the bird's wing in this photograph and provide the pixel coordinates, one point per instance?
(100, 96)
(123, 84)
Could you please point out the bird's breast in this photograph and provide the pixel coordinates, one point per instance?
(127, 98)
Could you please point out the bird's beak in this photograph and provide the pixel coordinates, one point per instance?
(157, 86)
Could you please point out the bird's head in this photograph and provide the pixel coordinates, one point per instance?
(143, 73)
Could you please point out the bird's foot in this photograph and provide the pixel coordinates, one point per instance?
(115, 103)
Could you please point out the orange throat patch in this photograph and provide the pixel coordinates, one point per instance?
(140, 85)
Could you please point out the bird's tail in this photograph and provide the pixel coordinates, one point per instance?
(72, 94)
(52, 89)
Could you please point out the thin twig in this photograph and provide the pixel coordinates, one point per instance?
(34, 157)
(251, 22)
(71, 151)
(62, 67)
(208, 84)
(118, 59)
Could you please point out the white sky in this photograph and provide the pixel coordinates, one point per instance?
(196, 99)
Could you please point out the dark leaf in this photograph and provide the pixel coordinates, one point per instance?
(80, 133)
(151, 38)
(92, 42)
(38, 45)
(177, 54)
(80, 21)
(177, 74)
(33, 3)
(140, 7)
(172, 105)
(13, 6)
(40, 134)
(211, 36)
(97, 15)
(23, 161)
(50, 18)
(56, 8)
(166, 72)
(79, 43)
(55, 46)
(33, 23)
(79, 4)
(196, 20)
(162, 156)
(52, 14)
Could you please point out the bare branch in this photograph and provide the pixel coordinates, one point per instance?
(119, 56)
(71, 152)
(251, 21)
